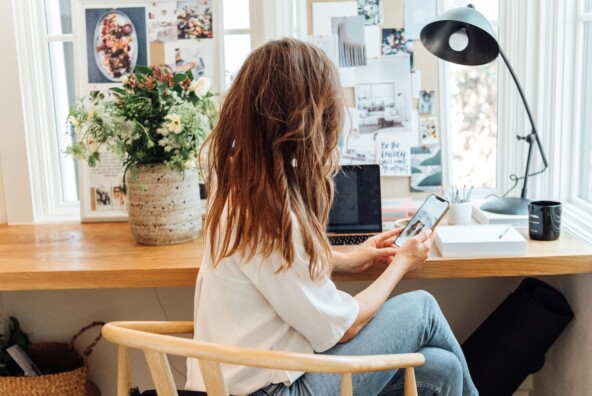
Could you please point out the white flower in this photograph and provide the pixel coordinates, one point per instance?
(201, 87)
(124, 79)
(189, 164)
(204, 122)
(73, 121)
(92, 144)
(175, 123)
(163, 131)
(90, 115)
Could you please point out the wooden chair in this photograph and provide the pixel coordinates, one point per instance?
(155, 339)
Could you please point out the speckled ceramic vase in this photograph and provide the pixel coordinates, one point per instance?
(163, 204)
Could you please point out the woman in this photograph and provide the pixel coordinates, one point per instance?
(265, 278)
(415, 229)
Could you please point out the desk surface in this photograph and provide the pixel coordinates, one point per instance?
(87, 256)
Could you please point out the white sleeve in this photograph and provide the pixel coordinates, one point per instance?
(316, 309)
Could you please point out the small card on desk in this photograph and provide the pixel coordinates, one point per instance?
(484, 240)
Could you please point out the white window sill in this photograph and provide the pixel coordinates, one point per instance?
(578, 221)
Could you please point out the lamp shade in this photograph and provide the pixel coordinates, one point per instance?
(463, 23)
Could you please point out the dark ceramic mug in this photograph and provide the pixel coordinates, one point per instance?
(544, 220)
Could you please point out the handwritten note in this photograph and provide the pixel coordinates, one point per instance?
(393, 155)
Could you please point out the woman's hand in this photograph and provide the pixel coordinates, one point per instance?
(408, 257)
(415, 251)
(377, 249)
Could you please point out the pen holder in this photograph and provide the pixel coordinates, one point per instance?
(459, 213)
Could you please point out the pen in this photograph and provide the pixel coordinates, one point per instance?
(504, 233)
(469, 194)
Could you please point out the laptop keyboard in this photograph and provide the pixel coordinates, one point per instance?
(347, 239)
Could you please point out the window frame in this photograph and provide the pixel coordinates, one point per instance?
(578, 212)
(40, 131)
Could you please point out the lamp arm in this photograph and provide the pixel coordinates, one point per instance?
(534, 130)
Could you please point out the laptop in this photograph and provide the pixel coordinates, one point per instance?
(356, 212)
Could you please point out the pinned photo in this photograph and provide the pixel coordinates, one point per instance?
(162, 21)
(376, 107)
(394, 42)
(194, 19)
(426, 102)
(102, 198)
(351, 40)
(426, 169)
(196, 56)
(372, 11)
(118, 197)
(428, 131)
(115, 42)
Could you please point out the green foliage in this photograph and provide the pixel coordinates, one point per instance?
(155, 117)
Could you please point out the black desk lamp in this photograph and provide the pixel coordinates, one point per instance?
(464, 36)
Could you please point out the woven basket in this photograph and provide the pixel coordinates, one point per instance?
(71, 378)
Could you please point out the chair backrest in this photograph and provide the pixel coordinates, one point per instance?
(156, 340)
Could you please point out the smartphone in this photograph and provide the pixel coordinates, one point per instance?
(427, 217)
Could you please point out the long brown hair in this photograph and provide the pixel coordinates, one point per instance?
(273, 154)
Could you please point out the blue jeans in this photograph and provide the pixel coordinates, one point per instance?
(410, 322)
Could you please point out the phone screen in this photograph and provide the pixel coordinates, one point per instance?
(427, 217)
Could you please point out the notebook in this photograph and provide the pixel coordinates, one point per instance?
(480, 240)
(356, 212)
(484, 217)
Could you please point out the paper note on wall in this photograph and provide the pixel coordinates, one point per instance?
(418, 13)
(322, 13)
(328, 44)
(372, 34)
(416, 83)
(393, 153)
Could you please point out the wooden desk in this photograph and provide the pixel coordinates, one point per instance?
(87, 256)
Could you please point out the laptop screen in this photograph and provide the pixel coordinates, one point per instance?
(357, 204)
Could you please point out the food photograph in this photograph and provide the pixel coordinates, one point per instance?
(116, 42)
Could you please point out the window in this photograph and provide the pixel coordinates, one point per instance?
(473, 113)
(585, 180)
(237, 36)
(46, 66)
(58, 36)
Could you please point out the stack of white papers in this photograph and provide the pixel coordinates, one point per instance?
(484, 217)
(480, 241)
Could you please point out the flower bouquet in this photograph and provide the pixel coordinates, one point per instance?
(155, 123)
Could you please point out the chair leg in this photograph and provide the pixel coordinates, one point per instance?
(161, 373)
(410, 384)
(346, 384)
(213, 378)
(124, 381)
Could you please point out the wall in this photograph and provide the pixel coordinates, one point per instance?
(2, 204)
(13, 152)
(568, 362)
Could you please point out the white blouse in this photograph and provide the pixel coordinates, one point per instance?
(248, 304)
